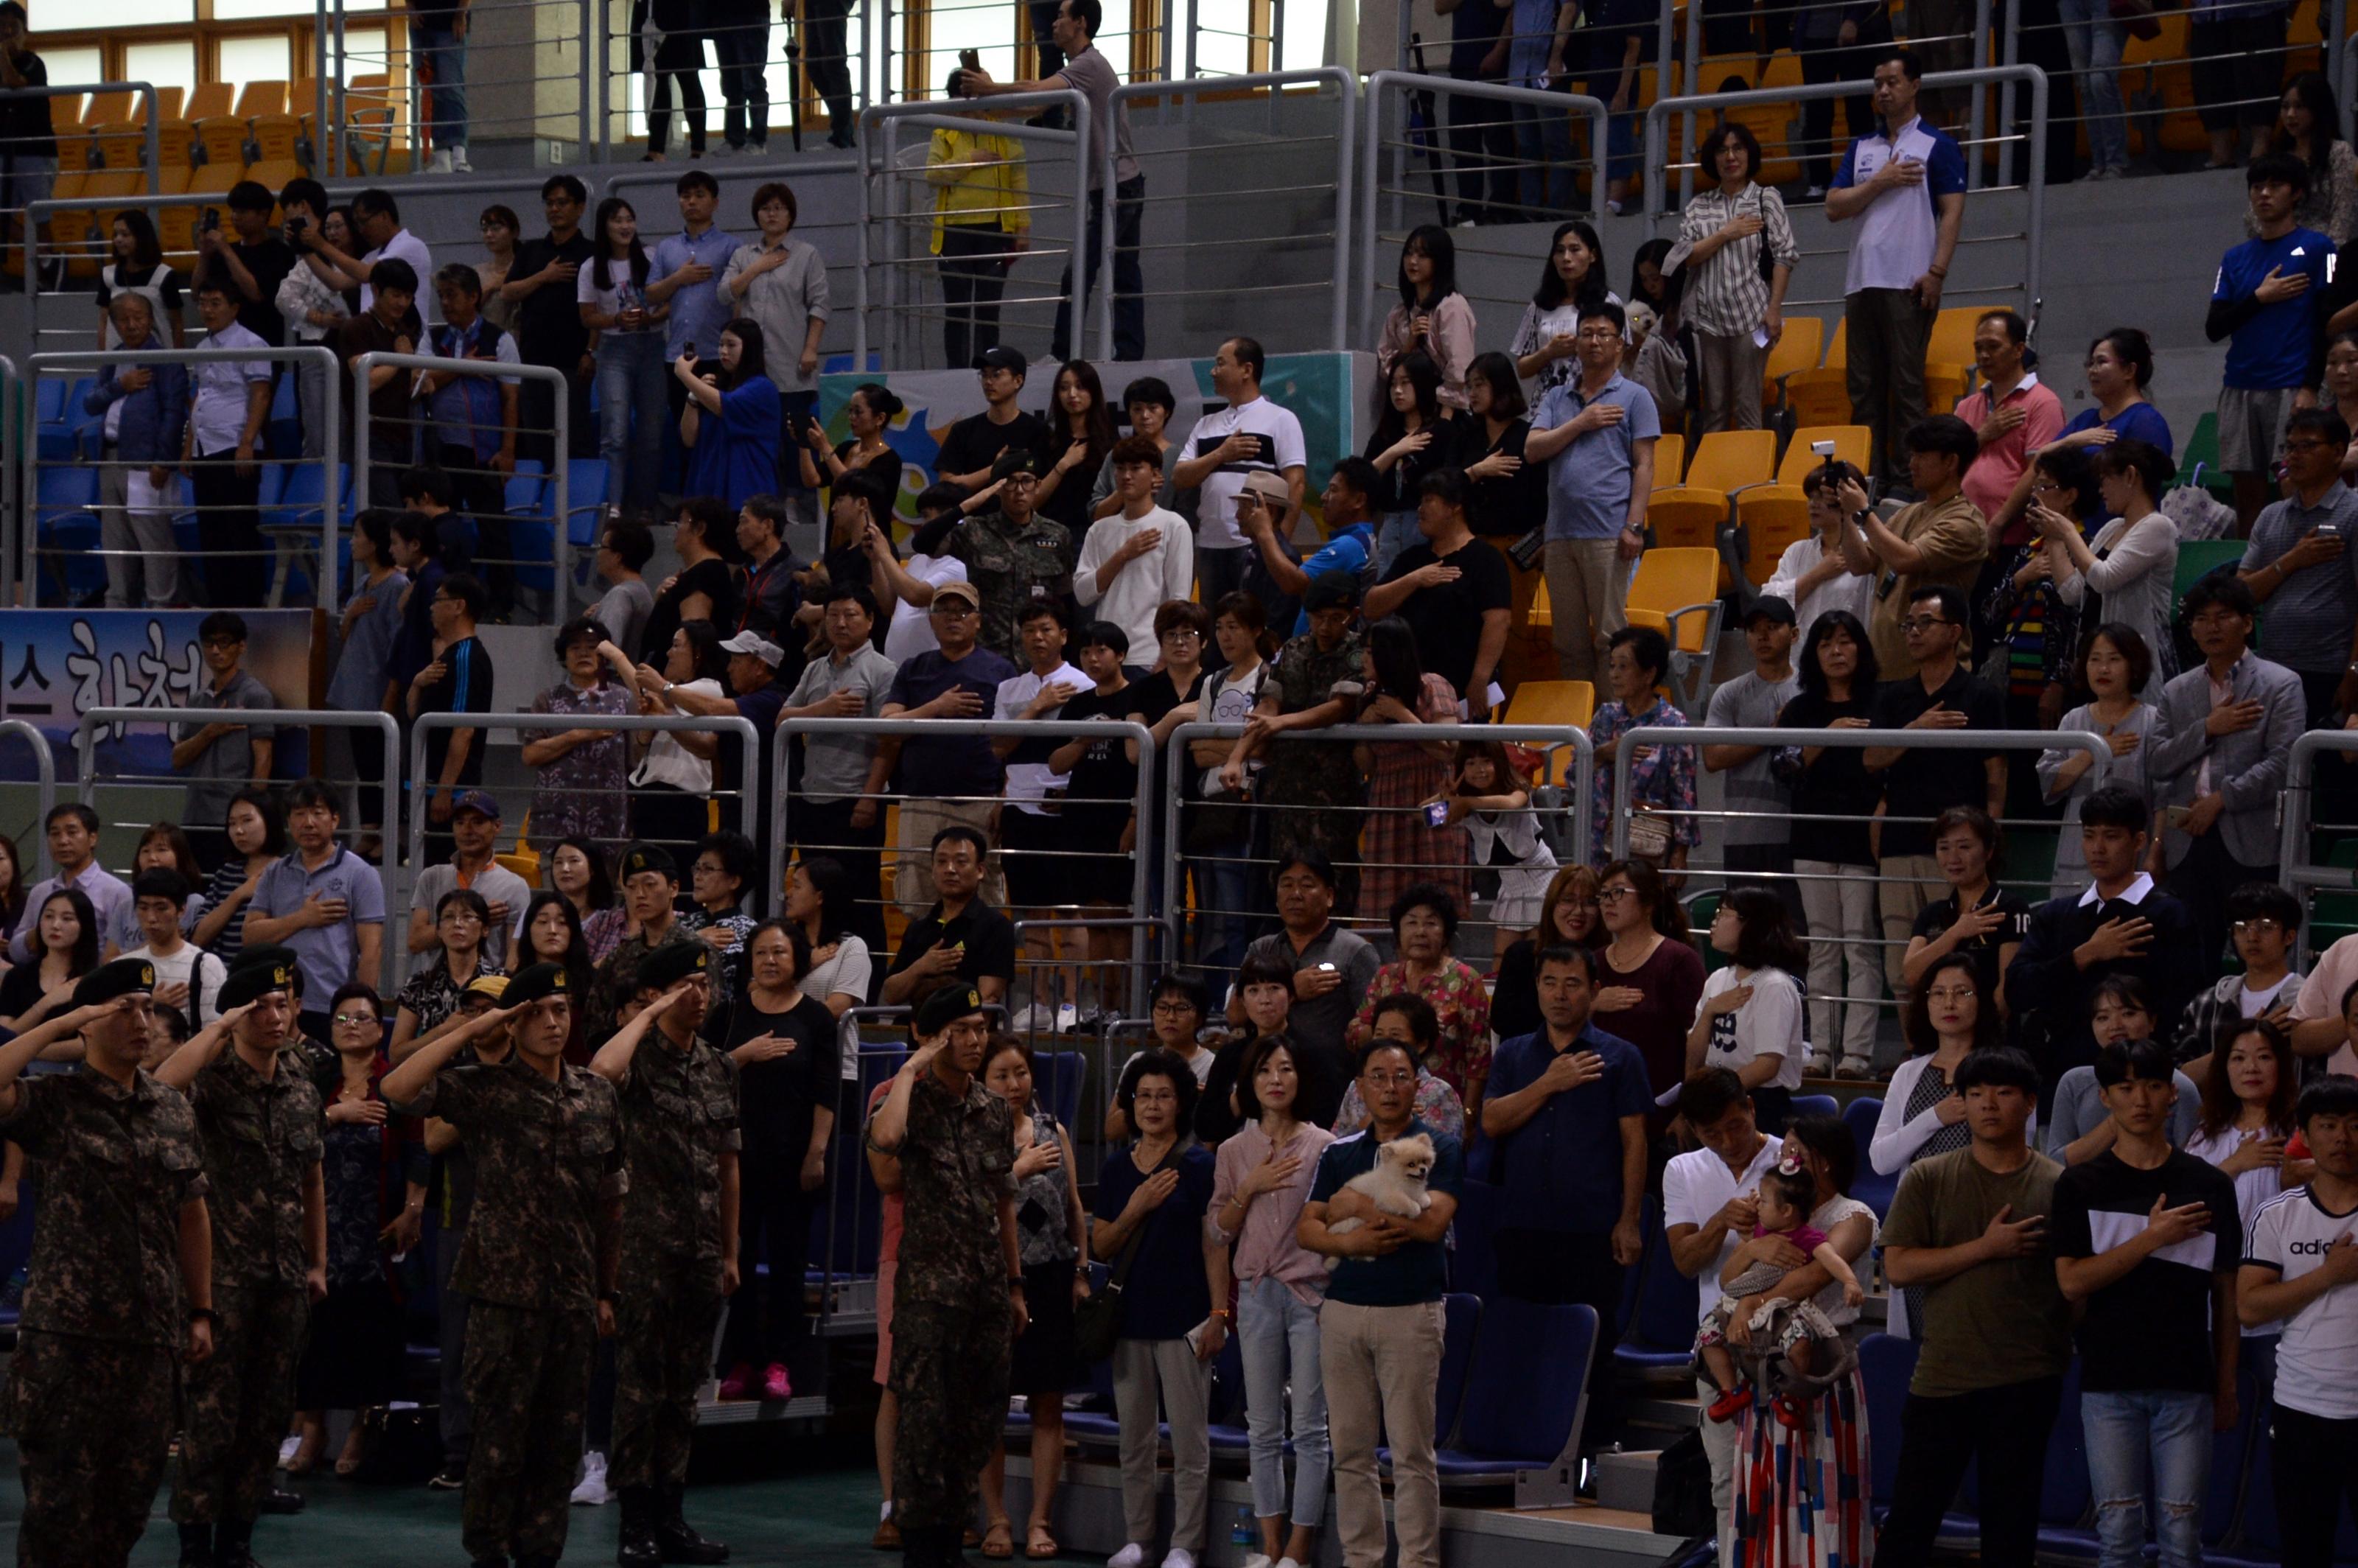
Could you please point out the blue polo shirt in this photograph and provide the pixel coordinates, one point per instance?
(1347, 549)
(953, 765)
(1588, 481)
(2271, 349)
(698, 312)
(1561, 1171)
(324, 952)
(1419, 1271)
(2137, 422)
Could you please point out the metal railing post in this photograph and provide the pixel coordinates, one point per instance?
(1693, 83)
(590, 114)
(342, 65)
(322, 130)
(1700, 735)
(45, 772)
(1975, 127)
(2013, 55)
(14, 432)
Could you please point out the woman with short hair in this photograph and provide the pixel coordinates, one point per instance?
(1734, 302)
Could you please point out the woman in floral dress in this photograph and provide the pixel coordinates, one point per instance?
(1662, 777)
(1424, 925)
(583, 772)
(1397, 845)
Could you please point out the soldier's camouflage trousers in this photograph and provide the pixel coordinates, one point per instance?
(527, 1391)
(949, 1367)
(93, 1420)
(236, 1404)
(662, 1353)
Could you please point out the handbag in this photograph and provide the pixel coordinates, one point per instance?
(1650, 837)
(1526, 551)
(2136, 19)
(1096, 1318)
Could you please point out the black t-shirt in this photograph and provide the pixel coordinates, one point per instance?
(884, 468)
(548, 323)
(269, 260)
(20, 988)
(2151, 1328)
(1104, 783)
(1501, 506)
(1924, 783)
(1474, 26)
(1154, 699)
(465, 688)
(1936, 917)
(989, 942)
(775, 1099)
(1836, 785)
(1447, 618)
(25, 128)
(974, 442)
(711, 577)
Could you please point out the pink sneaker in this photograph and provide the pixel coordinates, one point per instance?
(775, 1385)
(739, 1383)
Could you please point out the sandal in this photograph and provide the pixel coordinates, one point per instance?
(1042, 1545)
(999, 1540)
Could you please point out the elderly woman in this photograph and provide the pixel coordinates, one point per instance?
(1661, 778)
(1424, 925)
(1801, 1495)
(1053, 1230)
(429, 999)
(582, 771)
(1405, 1020)
(1151, 1206)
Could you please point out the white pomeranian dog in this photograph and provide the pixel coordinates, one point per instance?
(1396, 1186)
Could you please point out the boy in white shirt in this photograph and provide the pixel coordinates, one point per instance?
(186, 977)
(1140, 558)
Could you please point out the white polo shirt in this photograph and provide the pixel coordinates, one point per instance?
(1697, 1187)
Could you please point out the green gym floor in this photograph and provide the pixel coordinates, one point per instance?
(801, 1501)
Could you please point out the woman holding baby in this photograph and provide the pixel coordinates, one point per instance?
(1263, 1177)
(1149, 1226)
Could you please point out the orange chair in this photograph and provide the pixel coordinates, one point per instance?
(1569, 703)
(208, 186)
(1676, 591)
(167, 102)
(65, 122)
(1851, 443)
(1697, 514)
(114, 104)
(278, 139)
(99, 186)
(1949, 356)
(261, 98)
(273, 177)
(1804, 341)
(1821, 397)
(1669, 460)
(221, 141)
(175, 139)
(1769, 519)
(121, 143)
(1779, 153)
(210, 98)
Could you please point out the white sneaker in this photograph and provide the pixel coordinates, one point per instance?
(1288, 1562)
(459, 159)
(441, 162)
(1130, 1556)
(591, 1492)
(1258, 1560)
(287, 1448)
(1179, 1557)
(1068, 1018)
(1032, 1019)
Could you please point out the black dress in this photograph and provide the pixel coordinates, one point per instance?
(354, 1356)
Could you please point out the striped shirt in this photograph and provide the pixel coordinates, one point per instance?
(1726, 295)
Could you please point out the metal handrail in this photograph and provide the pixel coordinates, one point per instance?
(1346, 86)
(16, 433)
(888, 118)
(2034, 182)
(1701, 735)
(45, 765)
(86, 754)
(559, 475)
(2295, 803)
(903, 728)
(36, 211)
(287, 353)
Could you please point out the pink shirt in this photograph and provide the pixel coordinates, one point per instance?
(1992, 477)
(1265, 1243)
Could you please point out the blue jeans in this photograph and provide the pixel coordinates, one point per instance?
(1395, 532)
(443, 54)
(2094, 41)
(632, 411)
(1129, 282)
(1227, 903)
(1278, 1337)
(1543, 147)
(2124, 1431)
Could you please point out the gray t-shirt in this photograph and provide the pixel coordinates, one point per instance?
(837, 765)
(226, 766)
(624, 612)
(495, 883)
(1322, 1021)
(2080, 1108)
(1749, 702)
(1092, 74)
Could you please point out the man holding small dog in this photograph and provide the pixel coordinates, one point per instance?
(1380, 1330)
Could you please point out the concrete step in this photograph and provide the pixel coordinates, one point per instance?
(1625, 1478)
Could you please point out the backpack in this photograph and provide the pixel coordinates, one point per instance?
(1683, 1492)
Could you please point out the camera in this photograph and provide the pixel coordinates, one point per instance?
(297, 223)
(1825, 449)
(212, 220)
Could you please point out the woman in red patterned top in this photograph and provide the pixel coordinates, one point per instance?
(1424, 925)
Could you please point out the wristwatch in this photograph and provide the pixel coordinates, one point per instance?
(203, 1314)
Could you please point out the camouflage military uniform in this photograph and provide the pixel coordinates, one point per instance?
(1311, 786)
(548, 1161)
(618, 980)
(952, 1318)
(1009, 566)
(679, 1114)
(262, 1140)
(90, 1388)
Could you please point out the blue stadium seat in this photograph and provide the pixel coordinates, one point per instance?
(1474, 1252)
(586, 483)
(1873, 1190)
(2066, 1501)
(2231, 1452)
(1816, 1105)
(2257, 1543)
(49, 401)
(1461, 1324)
(1662, 1329)
(67, 531)
(1097, 1425)
(283, 435)
(1885, 1362)
(1524, 1392)
(1229, 1439)
(1059, 1078)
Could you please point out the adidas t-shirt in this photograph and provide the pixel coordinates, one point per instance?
(2320, 1343)
(2150, 1329)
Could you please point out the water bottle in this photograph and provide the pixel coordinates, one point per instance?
(1244, 1533)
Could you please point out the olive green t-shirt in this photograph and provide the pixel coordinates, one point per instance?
(2000, 1321)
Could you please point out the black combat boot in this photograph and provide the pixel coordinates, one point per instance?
(637, 1548)
(234, 1545)
(921, 1544)
(196, 1546)
(676, 1538)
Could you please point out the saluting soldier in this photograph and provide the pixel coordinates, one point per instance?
(947, 1145)
(1013, 555)
(650, 883)
(121, 1274)
(679, 1245)
(261, 1129)
(538, 1261)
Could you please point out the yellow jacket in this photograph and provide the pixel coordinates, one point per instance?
(978, 177)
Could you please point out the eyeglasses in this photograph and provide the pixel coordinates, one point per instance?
(1389, 1080)
(1172, 1007)
(1179, 633)
(343, 1018)
(2308, 446)
(1923, 623)
(223, 642)
(2260, 927)
(2044, 487)
(1614, 895)
(1951, 993)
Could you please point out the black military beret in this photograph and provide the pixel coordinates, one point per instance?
(532, 984)
(110, 980)
(648, 858)
(945, 1007)
(268, 953)
(250, 982)
(674, 962)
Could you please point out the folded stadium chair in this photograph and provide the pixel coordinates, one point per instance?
(1698, 513)
(278, 140)
(2066, 1502)
(1661, 1336)
(1885, 1362)
(70, 230)
(283, 431)
(209, 98)
(1461, 1319)
(66, 527)
(1473, 1250)
(261, 98)
(272, 172)
(176, 141)
(109, 103)
(2230, 1454)
(1779, 126)
(1801, 346)
(1571, 703)
(1949, 356)
(221, 140)
(1669, 460)
(2197, 558)
(585, 480)
(1769, 519)
(1815, 1105)
(65, 122)
(2197, 459)
(1821, 397)
(1868, 1186)
(1853, 443)
(1525, 1391)
(120, 144)
(57, 438)
(292, 520)
(1095, 1425)
(1677, 592)
(49, 401)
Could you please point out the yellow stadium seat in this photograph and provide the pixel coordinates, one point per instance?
(1770, 518)
(1669, 460)
(1685, 517)
(1679, 589)
(121, 143)
(69, 232)
(261, 98)
(1851, 445)
(1805, 339)
(114, 104)
(208, 186)
(1730, 459)
(65, 120)
(210, 98)
(175, 140)
(1949, 356)
(1565, 702)
(221, 140)
(1779, 153)
(273, 177)
(1541, 616)
(278, 139)
(99, 186)
(1821, 397)
(167, 102)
